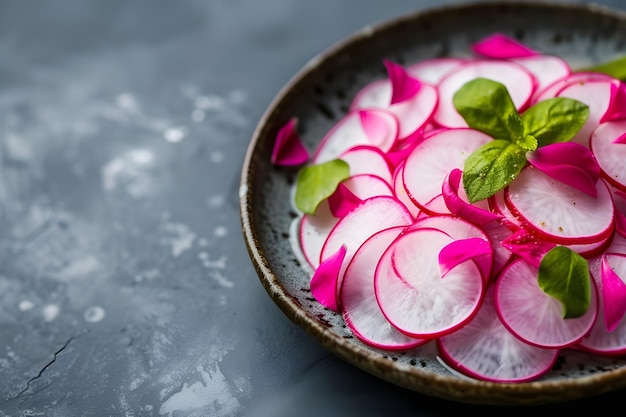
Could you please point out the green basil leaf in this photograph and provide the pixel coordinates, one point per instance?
(527, 142)
(616, 68)
(318, 182)
(555, 120)
(492, 167)
(564, 275)
(487, 106)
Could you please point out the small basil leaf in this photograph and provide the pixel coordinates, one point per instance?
(492, 167)
(564, 275)
(318, 182)
(616, 68)
(527, 142)
(555, 120)
(487, 106)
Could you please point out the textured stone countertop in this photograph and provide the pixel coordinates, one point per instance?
(125, 285)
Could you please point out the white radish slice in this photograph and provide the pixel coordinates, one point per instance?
(486, 349)
(373, 127)
(458, 229)
(547, 69)
(400, 192)
(598, 95)
(533, 315)
(412, 114)
(360, 308)
(518, 80)
(430, 162)
(560, 213)
(433, 70)
(411, 292)
(373, 215)
(314, 230)
(610, 156)
(498, 205)
(364, 159)
(496, 231)
(367, 185)
(599, 340)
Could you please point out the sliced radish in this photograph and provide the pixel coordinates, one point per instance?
(519, 82)
(373, 215)
(570, 163)
(418, 301)
(599, 340)
(458, 204)
(552, 90)
(430, 162)
(613, 289)
(288, 149)
(314, 230)
(533, 315)
(500, 46)
(558, 212)
(598, 96)
(460, 229)
(610, 156)
(400, 192)
(343, 201)
(403, 85)
(433, 70)
(364, 159)
(325, 278)
(373, 127)
(486, 349)
(497, 203)
(360, 308)
(547, 69)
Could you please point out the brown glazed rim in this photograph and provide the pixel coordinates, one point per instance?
(448, 387)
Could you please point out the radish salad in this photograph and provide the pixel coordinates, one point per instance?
(478, 202)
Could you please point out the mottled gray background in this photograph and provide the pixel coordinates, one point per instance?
(125, 286)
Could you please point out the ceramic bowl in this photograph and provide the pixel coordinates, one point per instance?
(319, 94)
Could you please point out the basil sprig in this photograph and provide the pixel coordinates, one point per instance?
(564, 275)
(487, 106)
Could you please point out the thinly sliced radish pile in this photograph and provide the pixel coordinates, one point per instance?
(400, 252)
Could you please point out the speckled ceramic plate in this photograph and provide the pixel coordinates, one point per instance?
(320, 94)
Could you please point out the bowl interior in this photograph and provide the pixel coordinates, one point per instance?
(319, 95)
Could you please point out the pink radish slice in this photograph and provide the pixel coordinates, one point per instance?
(456, 201)
(501, 46)
(613, 290)
(364, 159)
(518, 80)
(599, 340)
(419, 302)
(560, 213)
(497, 232)
(432, 70)
(373, 127)
(374, 214)
(360, 308)
(342, 201)
(403, 85)
(610, 156)
(498, 205)
(288, 148)
(486, 349)
(459, 229)
(534, 316)
(352, 191)
(325, 278)
(598, 96)
(400, 192)
(547, 69)
(413, 114)
(552, 90)
(570, 163)
(430, 162)
(314, 230)
(523, 244)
